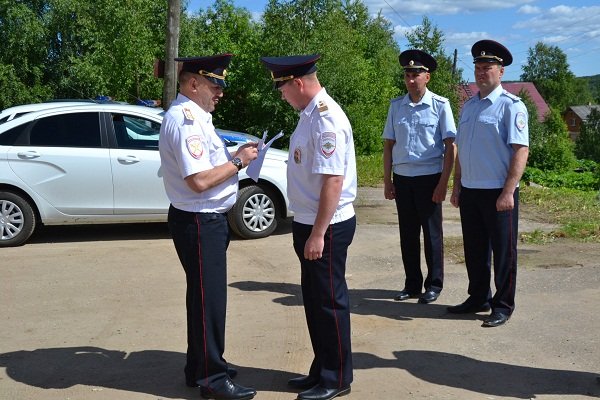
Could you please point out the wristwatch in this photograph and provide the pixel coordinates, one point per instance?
(238, 163)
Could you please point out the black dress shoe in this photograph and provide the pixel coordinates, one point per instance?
(303, 382)
(320, 393)
(468, 308)
(231, 372)
(429, 297)
(405, 294)
(495, 319)
(227, 390)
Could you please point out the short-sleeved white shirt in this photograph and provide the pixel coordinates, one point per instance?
(322, 144)
(487, 130)
(188, 144)
(419, 130)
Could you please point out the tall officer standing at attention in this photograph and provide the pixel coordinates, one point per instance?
(321, 177)
(419, 152)
(201, 181)
(492, 140)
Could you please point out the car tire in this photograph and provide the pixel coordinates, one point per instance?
(254, 214)
(17, 219)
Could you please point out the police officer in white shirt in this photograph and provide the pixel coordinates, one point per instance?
(201, 181)
(321, 178)
(492, 141)
(418, 157)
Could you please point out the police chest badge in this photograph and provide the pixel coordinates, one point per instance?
(194, 146)
(521, 121)
(297, 155)
(327, 144)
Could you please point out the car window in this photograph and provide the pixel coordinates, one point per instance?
(66, 130)
(133, 132)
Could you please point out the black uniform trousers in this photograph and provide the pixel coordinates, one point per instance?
(417, 211)
(201, 241)
(488, 232)
(326, 303)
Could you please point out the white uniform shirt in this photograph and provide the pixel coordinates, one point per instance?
(487, 129)
(188, 144)
(321, 144)
(419, 130)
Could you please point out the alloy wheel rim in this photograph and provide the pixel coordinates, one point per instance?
(258, 212)
(11, 220)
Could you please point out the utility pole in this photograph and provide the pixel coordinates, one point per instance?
(171, 51)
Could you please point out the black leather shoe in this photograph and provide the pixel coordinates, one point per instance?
(231, 372)
(227, 390)
(468, 308)
(321, 393)
(303, 382)
(495, 319)
(429, 297)
(405, 295)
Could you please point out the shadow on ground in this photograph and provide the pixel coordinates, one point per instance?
(160, 373)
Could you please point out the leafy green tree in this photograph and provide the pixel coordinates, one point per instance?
(587, 145)
(548, 69)
(555, 150)
(224, 28)
(358, 66)
(23, 52)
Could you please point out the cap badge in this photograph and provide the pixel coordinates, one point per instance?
(483, 53)
(411, 63)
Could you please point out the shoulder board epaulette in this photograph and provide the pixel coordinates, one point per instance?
(396, 99)
(322, 106)
(187, 113)
(439, 98)
(511, 96)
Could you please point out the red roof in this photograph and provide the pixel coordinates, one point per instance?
(470, 89)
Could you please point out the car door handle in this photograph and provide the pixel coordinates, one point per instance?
(29, 154)
(128, 159)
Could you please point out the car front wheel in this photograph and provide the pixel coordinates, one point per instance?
(254, 214)
(17, 219)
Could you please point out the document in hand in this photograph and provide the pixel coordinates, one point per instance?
(253, 170)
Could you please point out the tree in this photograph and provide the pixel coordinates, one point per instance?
(548, 69)
(358, 66)
(171, 51)
(587, 145)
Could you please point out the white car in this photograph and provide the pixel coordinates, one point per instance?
(98, 163)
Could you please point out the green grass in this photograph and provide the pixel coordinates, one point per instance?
(576, 212)
(370, 170)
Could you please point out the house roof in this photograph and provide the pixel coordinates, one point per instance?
(470, 89)
(583, 112)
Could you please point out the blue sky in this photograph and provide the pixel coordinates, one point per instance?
(572, 25)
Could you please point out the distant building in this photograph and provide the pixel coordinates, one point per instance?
(575, 116)
(470, 89)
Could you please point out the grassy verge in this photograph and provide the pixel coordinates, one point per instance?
(577, 212)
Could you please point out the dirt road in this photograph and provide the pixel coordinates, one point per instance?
(98, 313)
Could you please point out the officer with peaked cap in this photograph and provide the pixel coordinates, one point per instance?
(201, 180)
(492, 140)
(418, 157)
(321, 177)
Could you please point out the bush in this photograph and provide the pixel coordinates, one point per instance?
(587, 180)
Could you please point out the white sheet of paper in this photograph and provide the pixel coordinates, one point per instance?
(255, 166)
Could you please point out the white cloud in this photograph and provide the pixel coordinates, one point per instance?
(441, 7)
(527, 9)
(564, 21)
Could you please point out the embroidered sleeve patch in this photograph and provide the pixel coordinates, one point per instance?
(327, 144)
(194, 146)
(521, 121)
